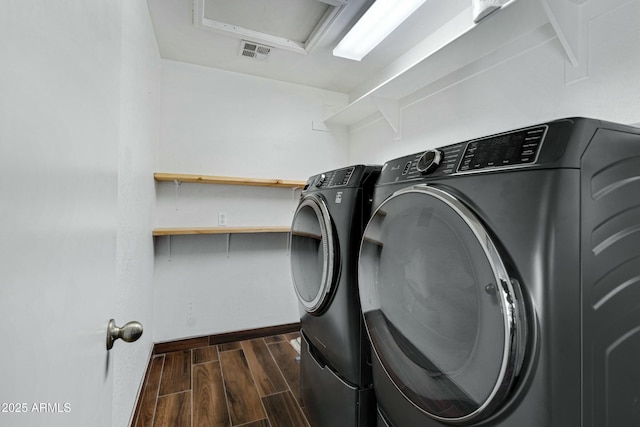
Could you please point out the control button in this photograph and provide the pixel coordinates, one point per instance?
(429, 161)
(406, 168)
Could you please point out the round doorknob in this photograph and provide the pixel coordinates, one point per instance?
(130, 332)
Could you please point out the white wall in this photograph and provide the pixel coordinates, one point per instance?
(78, 130)
(221, 123)
(527, 89)
(137, 159)
(202, 289)
(206, 284)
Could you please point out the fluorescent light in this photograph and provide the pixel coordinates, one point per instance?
(376, 24)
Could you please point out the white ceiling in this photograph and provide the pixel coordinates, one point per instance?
(180, 39)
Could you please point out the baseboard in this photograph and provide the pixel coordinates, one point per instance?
(203, 341)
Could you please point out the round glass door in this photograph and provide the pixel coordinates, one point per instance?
(313, 253)
(444, 318)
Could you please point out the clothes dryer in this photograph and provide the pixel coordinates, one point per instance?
(335, 355)
(500, 280)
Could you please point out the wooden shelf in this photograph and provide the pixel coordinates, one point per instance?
(218, 230)
(228, 180)
(225, 180)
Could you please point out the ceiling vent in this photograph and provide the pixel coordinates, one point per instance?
(293, 25)
(254, 50)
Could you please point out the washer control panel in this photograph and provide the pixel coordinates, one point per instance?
(518, 148)
(335, 178)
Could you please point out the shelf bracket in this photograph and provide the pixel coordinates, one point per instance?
(170, 237)
(566, 18)
(228, 243)
(390, 110)
(178, 186)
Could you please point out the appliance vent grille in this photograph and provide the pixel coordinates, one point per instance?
(254, 50)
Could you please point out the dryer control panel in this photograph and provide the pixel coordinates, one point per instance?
(507, 150)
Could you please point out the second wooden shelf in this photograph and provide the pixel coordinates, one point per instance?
(174, 231)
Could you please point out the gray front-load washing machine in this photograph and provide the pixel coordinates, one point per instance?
(335, 366)
(500, 280)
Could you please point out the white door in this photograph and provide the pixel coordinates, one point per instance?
(59, 112)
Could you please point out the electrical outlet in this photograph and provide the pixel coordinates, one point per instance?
(222, 219)
(191, 318)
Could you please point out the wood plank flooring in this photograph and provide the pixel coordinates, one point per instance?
(249, 383)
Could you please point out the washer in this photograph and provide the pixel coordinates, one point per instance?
(335, 355)
(500, 280)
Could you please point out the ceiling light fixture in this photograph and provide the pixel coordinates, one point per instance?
(382, 17)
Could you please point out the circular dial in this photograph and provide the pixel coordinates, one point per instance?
(321, 179)
(429, 161)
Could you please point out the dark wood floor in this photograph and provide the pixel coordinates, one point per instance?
(249, 383)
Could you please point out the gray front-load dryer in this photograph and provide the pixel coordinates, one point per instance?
(500, 280)
(325, 238)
